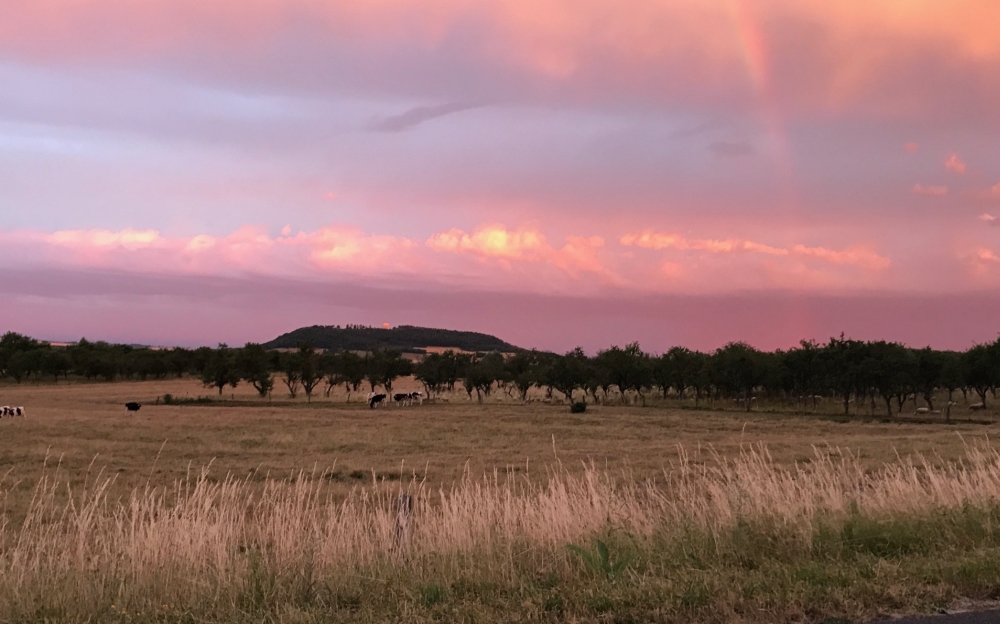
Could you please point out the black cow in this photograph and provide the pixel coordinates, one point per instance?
(132, 406)
(375, 400)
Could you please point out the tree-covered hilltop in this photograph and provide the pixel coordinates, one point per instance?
(402, 338)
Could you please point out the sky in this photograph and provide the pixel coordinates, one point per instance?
(555, 172)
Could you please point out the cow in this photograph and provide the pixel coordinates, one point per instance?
(401, 398)
(132, 406)
(375, 400)
(5, 411)
(19, 411)
(418, 397)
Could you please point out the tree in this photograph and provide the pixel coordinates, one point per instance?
(889, 365)
(291, 371)
(628, 369)
(220, 369)
(430, 372)
(254, 366)
(480, 375)
(840, 363)
(952, 377)
(348, 369)
(523, 370)
(929, 373)
(310, 374)
(982, 368)
(179, 361)
(804, 369)
(737, 369)
(662, 372)
(384, 366)
(569, 372)
(21, 364)
(56, 362)
(11, 343)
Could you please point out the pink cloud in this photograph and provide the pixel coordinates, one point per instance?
(987, 255)
(345, 247)
(106, 240)
(955, 164)
(859, 256)
(930, 191)
(699, 50)
(988, 218)
(911, 147)
(991, 194)
(496, 242)
(658, 240)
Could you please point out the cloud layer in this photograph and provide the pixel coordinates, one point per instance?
(574, 148)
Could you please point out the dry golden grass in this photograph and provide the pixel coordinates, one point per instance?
(84, 427)
(295, 550)
(283, 512)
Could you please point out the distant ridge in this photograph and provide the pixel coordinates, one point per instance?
(404, 338)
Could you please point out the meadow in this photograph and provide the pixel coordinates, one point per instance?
(284, 511)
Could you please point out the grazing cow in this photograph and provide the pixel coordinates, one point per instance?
(374, 401)
(5, 411)
(132, 406)
(401, 398)
(418, 397)
(19, 411)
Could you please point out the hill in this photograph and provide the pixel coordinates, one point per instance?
(404, 338)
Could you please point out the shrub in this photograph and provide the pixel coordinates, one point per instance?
(578, 408)
(168, 399)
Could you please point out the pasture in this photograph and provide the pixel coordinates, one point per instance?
(282, 511)
(84, 428)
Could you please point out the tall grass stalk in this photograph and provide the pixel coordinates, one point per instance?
(223, 549)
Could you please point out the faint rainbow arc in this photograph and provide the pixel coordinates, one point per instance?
(757, 59)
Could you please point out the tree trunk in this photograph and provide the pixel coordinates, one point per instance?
(888, 405)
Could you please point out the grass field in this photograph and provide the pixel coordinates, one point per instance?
(108, 516)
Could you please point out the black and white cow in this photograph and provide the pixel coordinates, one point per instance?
(132, 406)
(375, 399)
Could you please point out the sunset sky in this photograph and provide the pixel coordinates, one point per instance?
(556, 172)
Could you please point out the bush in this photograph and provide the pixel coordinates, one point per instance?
(168, 399)
(578, 408)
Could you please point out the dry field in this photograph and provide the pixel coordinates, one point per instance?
(85, 429)
(249, 511)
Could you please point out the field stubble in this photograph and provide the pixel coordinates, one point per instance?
(675, 515)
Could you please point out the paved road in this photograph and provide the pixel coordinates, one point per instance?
(977, 617)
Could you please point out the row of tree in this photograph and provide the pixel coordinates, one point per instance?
(856, 372)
